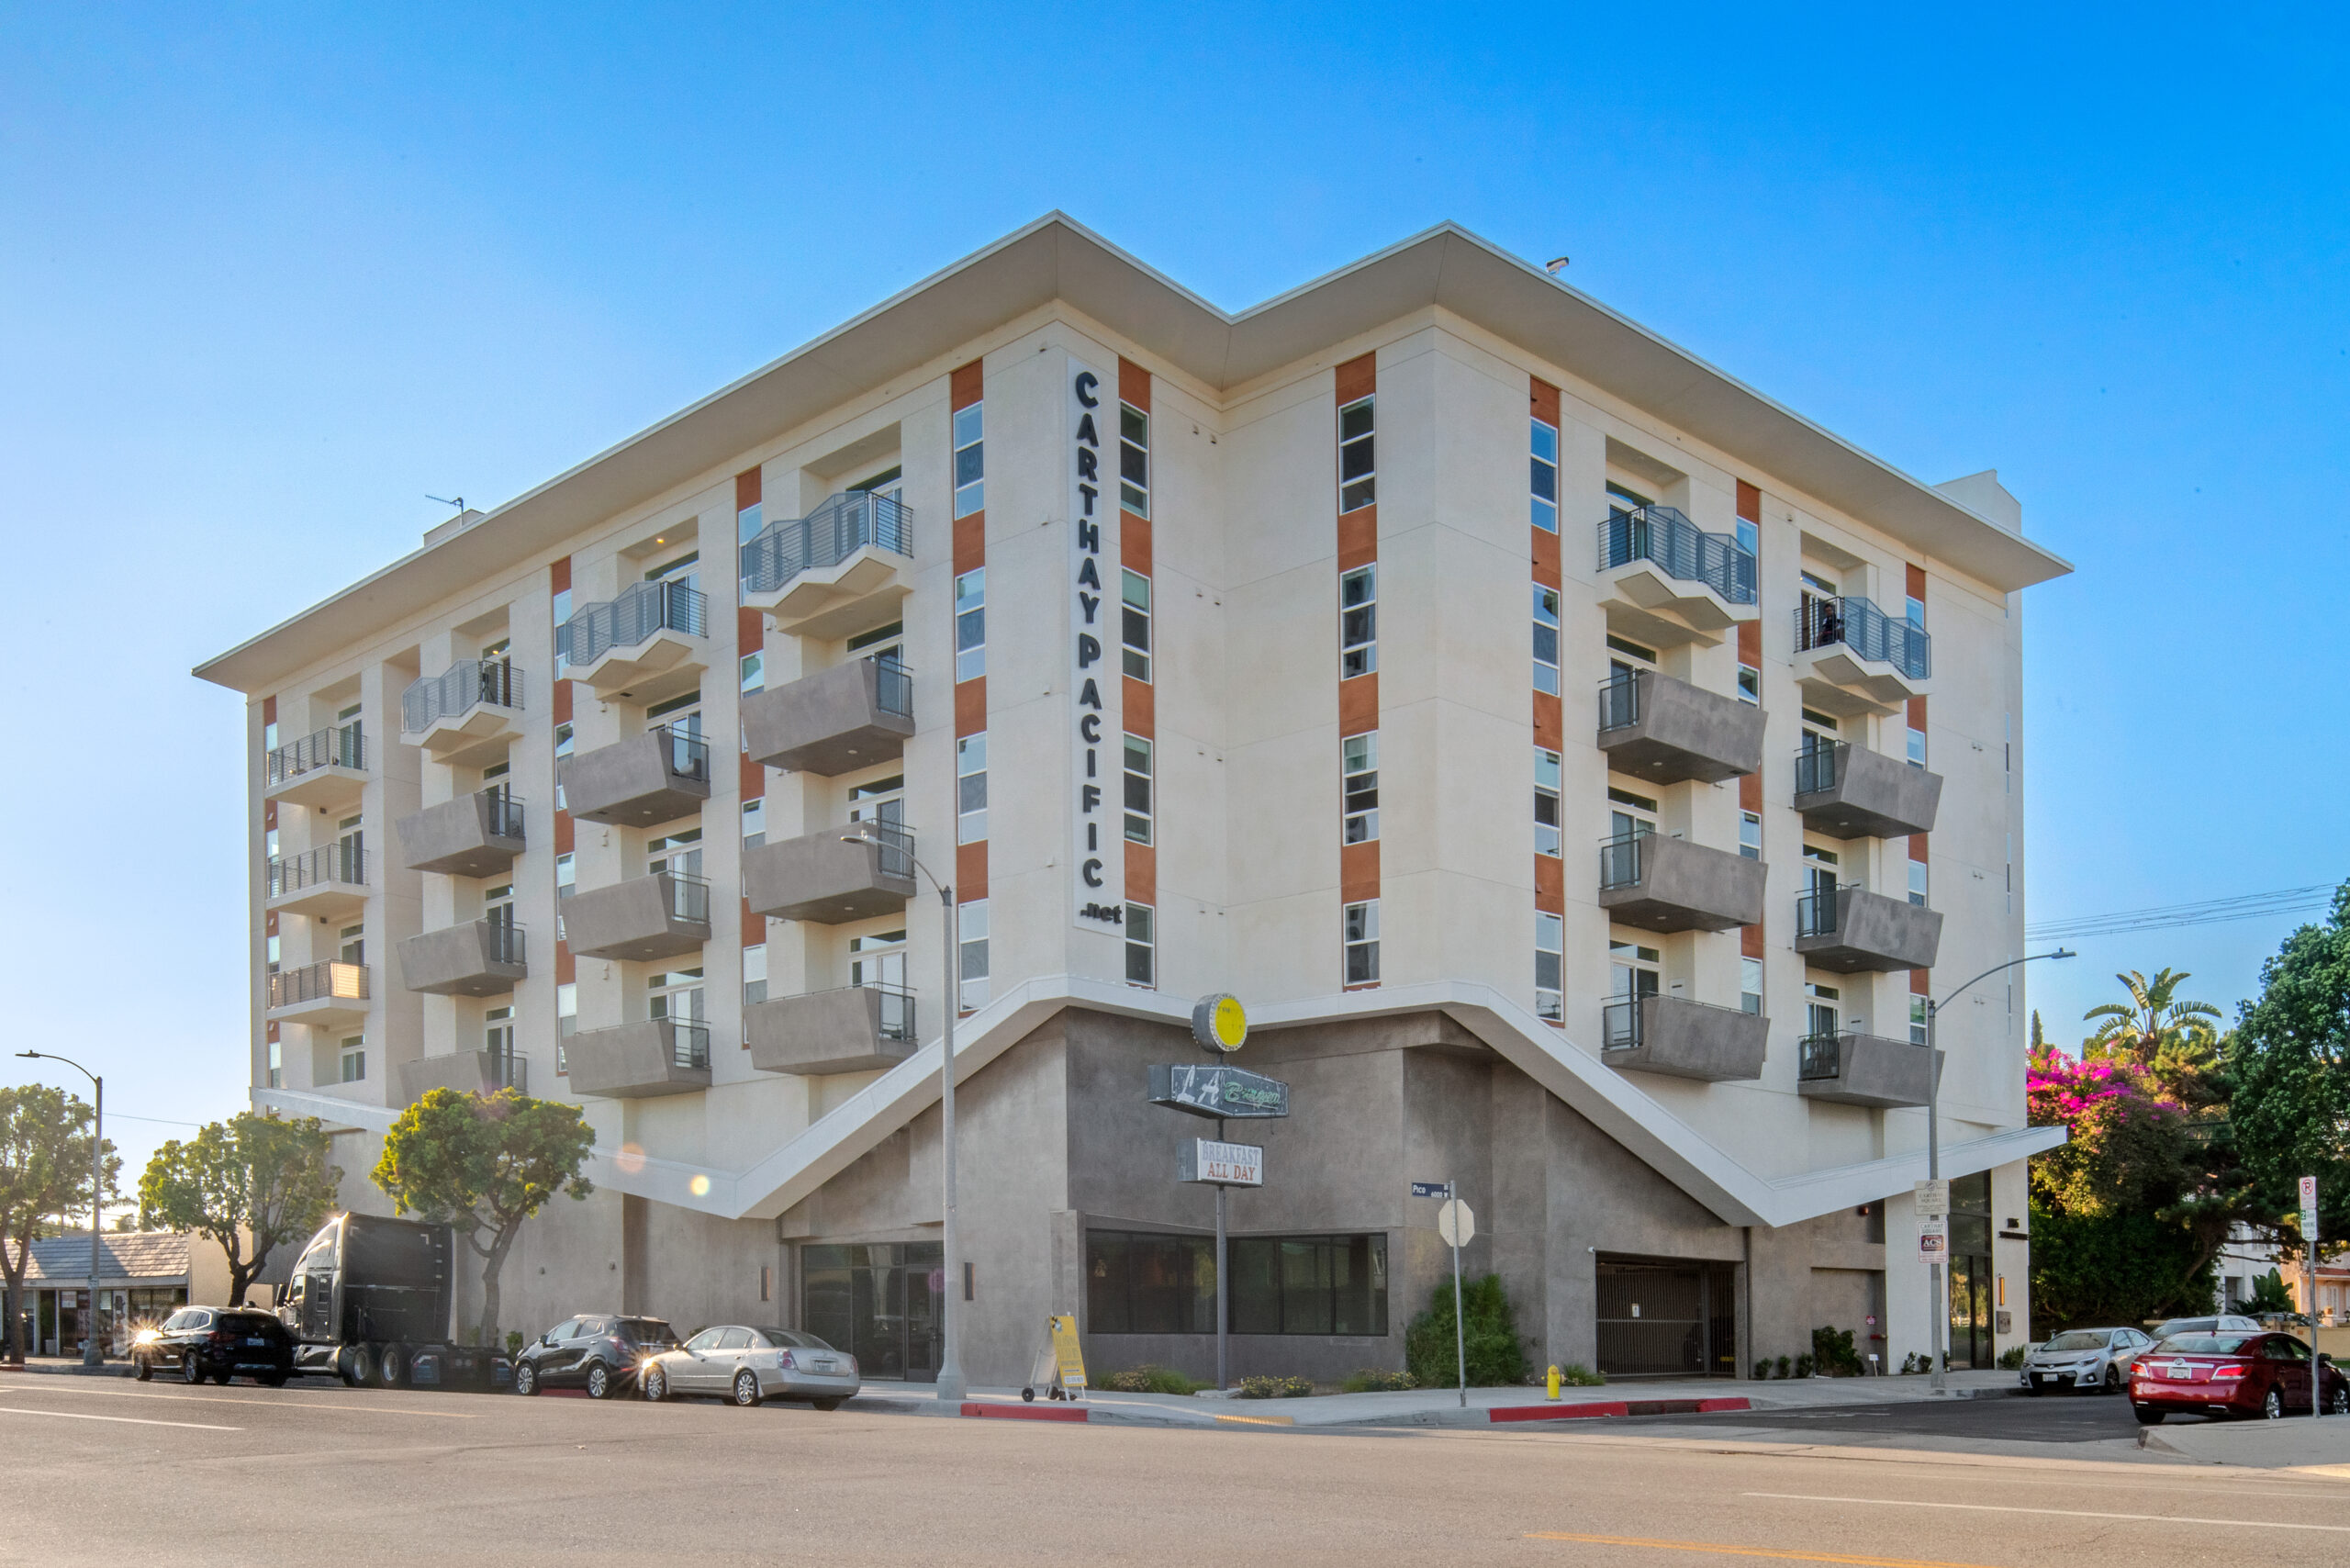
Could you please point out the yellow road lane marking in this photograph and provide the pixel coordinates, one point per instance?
(2056, 1513)
(1261, 1420)
(1722, 1549)
(308, 1403)
(123, 1420)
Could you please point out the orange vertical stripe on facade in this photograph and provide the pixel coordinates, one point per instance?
(749, 487)
(1917, 712)
(966, 385)
(970, 542)
(1134, 384)
(1359, 872)
(754, 780)
(1359, 705)
(971, 871)
(1750, 502)
(1133, 543)
(1918, 981)
(1916, 846)
(750, 635)
(1550, 870)
(1750, 791)
(269, 710)
(1550, 884)
(1357, 377)
(559, 576)
(1542, 399)
(971, 706)
(1358, 538)
(1547, 723)
(755, 927)
(1141, 712)
(1749, 642)
(562, 833)
(1749, 941)
(1142, 874)
(567, 968)
(1917, 582)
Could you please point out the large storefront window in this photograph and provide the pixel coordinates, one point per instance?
(1667, 1320)
(1140, 1282)
(880, 1302)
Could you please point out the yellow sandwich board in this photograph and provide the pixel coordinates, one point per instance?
(1069, 1359)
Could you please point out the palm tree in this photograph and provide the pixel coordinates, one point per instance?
(2154, 1023)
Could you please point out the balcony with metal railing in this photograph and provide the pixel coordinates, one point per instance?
(839, 569)
(481, 957)
(1663, 884)
(1669, 732)
(857, 1028)
(650, 643)
(1851, 657)
(1849, 791)
(1864, 1070)
(1680, 1038)
(642, 1060)
(1667, 582)
(327, 881)
(850, 716)
(473, 836)
(466, 714)
(468, 1073)
(326, 768)
(328, 993)
(657, 916)
(1850, 930)
(822, 878)
(656, 777)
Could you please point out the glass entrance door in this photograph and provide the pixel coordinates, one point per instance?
(880, 1302)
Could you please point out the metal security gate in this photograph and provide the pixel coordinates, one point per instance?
(1665, 1318)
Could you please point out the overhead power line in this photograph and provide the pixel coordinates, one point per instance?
(2209, 911)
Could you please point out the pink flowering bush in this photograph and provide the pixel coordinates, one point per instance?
(2132, 1146)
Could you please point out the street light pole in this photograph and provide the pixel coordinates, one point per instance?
(1938, 1307)
(91, 1355)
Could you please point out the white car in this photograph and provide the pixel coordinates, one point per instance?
(747, 1365)
(2096, 1359)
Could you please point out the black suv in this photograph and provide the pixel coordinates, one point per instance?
(217, 1342)
(598, 1353)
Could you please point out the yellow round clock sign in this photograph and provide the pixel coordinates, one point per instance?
(1220, 1023)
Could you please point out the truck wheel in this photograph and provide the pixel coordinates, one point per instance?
(391, 1365)
(526, 1378)
(746, 1388)
(599, 1380)
(359, 1366)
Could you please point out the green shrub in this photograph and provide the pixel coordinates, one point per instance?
(1150, 1378)
(1782, 1368)
(1763, 1369)
(513, 1343)
(1574, 1375)
(1804, 1364)
(2011, 1359)
(1375, 1380)
(1833, 1353)
(1276, 1387)
(1495, 1355)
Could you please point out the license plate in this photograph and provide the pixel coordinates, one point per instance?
(2179, 1373)
(256, 1341)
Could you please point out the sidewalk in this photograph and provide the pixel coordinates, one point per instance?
(66, 1365)
(2319, 1446)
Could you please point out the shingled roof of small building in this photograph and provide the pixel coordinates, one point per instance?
(131, 1254)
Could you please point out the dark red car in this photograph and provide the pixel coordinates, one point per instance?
(2233, 1374)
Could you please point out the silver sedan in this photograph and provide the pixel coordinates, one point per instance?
(748, 1365)
(2096, 1359)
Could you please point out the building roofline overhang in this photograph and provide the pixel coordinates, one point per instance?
(1057, 258)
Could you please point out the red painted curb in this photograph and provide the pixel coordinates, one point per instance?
(1025, 1412)
(1614, 1407)
(1707, 1404)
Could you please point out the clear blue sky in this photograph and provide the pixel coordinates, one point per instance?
(269, 276)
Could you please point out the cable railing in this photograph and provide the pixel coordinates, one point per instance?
(1822, 622)
(329, 979)
(825, 537)
(684, 753)
(342, 861)
(688, 896)
(465, 685)
(639, 612)
(337, 746)
(1619, 701)
(893, 687)
(1818, 1057)
(1818, 767)
(1621, 861)
(1680, 549)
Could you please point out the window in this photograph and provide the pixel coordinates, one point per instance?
(1635, 815)
(1136, 1283)
(1750, 683)
(675, 993)
(970, 459)
(497, 1032)
(354, 944)
(1918, 882)
(1546, 476)
(1309, 1284)
(755, 975)
(679, 853)
(1914, 611)
(1917, 1019)
(1358, 623)
(269, 736)
(971, 624)
(971, 938)
(566, 875)
(1750, 985)
(355, 1058)
(1546, 639)
(879, 643)
(1749, 834)
(754, 670)
(749, 522)
(1621, 501)
(1820, 1007)
(1749, 534)
(972, 789)
(1142, 945)
(561, 750)
(271, 951)
(1550, 945)
(1134, 460)
(1546, 801)
(1630, 649)
(1633, 971)
(1133, 624)
(498, 904)
(878, 958)
(1139, 790)
(1359, 788)
(269, 845)
(754, 822)
(1358, 474)
(1360, 933)
(1916, 748)
(566, 1023)
(277, 1064)
(562, 629)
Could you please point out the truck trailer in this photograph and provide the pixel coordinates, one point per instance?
(373, 1301)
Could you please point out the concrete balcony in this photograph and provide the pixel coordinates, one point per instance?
(326, 882)
(820, 877)
(328, 994)
(1851, 657)
(473, 836)
(1667, 582)
(840, 569)
(650, 643)
(468, 1073)
(656, 777)
(1858, 932)
(1864, 1070)
(852, 715)
(326, 768)
(859, 1028)
(1683, 1039)
(638, 1061)
(481, 957)
(658, 916)
(1670, 884)
(1668, 732)
(465, 716)
(1849, 791)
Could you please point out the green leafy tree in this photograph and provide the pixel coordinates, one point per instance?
(2269, 1294)
(482, 1165)
(1497, 1356)
(44, 1171)
(252, 1183)
(2289, 1066)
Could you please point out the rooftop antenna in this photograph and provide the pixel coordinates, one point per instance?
(1554, 268)
(459, 502)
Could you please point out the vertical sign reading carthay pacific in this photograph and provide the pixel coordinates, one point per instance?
(1096, 706)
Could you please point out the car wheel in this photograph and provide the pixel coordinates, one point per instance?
(526, 1379)
(141, 1368)
(2113, 1380)
(391, 1365)
(2340, 1404)
(654, 1383)
(599, 1380)
(827, 1404)
(2272, 1409)
(2147, 1417)
(191, 1369)
(746, 1388)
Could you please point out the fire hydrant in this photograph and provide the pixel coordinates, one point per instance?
(1551, 1381)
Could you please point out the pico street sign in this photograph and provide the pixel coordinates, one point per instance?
(1933, 1198)
(1220, 1164)
(1432, 1189)
(1218, 1091)
(1933, 1237)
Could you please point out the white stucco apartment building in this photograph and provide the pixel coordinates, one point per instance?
(1580, 766)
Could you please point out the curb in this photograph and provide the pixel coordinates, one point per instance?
(74, 1371)
(1614, 1407)
(1025, 1412)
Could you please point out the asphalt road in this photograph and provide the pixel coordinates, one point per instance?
(2049, 1418)
(103, 1470)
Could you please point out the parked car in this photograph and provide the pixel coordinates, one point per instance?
(592, 1351)
(748, 1365)
(2084, 1357)
(2225, 1323)
(2233, 1374)
(217, 1342)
